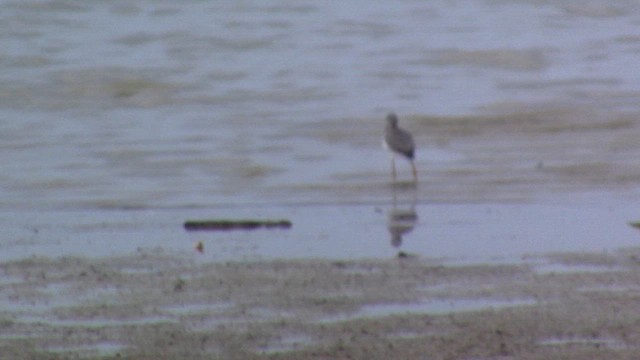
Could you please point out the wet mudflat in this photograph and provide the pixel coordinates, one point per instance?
(122, 121)
(516, 245)
(157, 305)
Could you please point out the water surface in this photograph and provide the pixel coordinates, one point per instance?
(141, 115)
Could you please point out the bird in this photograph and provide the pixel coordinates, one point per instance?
(399, 141)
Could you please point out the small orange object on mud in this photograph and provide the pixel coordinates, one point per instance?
(200, 247)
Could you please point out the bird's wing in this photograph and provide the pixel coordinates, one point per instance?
(402, 142)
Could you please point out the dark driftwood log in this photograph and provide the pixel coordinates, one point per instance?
(190, 225)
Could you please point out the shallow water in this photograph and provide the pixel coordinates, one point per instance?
(120, 120)
(455, 233)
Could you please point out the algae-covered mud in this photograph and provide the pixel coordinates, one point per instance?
(154, 305)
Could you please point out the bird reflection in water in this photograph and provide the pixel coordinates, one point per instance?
(402, 217)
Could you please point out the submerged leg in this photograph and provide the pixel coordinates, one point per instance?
(393, 168)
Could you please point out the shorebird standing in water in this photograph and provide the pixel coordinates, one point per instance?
(399, 141)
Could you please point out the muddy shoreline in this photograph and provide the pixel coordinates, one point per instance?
(64, 295)
(159, 305)
(122, 121)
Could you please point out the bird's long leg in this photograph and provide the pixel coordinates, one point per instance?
(393, 167)
(415, 173)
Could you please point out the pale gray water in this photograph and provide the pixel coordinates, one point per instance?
(453, 233)
(199, 105)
